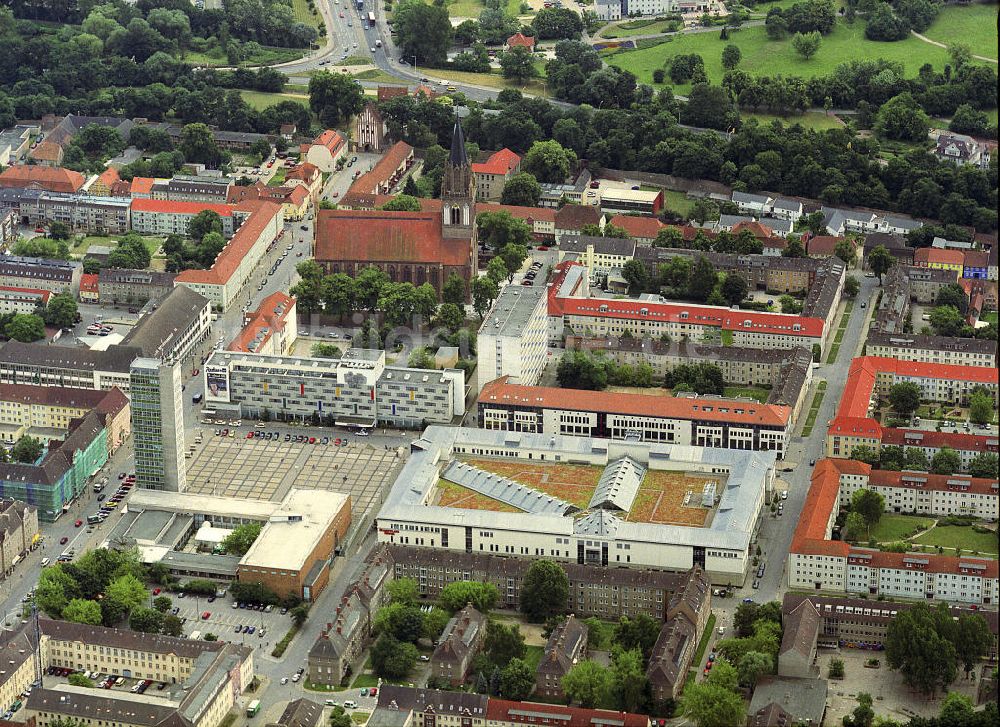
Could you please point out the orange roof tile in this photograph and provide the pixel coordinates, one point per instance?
(638, 227)
(502, 392)
(520, 39)
(53, 179)
(929, 481)
(758, 230)
(982, 567)
(385, 167)
(261, 324)
(381, 236)
(939, 256)
(170, 207)
(306, 172)
(499, 163)
(330, 139)
(109, 176)
(936, 440)
(237, 248)
(88, 282)
(503, 711)
(47, 151)
(142, 185)
(822, 244)
(810, 536)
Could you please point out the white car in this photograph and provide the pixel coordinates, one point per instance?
(296, 677)
(284, 680)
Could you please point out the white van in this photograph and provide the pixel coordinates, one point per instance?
(349, 704)
(45, 562)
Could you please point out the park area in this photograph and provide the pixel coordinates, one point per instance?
(971, 25)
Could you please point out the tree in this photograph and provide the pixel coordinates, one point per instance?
(544, 591)
(636, 274)
(639, 633)
(454, 290)
(59, 230)
(27, 450)
(82, 611)
(846, 250)
(423, 31)
(518, 65)
(981, 409)
(172, 625)
(901, 118)
(946, 462)
(324, 350)
(703, 279)
(334, 97)
(806, 44)
(984, 464)
(402, 203)
(483, 596)
(299, 614)
(734, 288)
(240, 538)
(204, 223)
(557, 24)
(78, 679)
(731, 57)
(852, 286)
(499, 229)
(836, 669)
(517, 680)
(956, 708)
(971, 635)
(521, 190)
(916, 459)
(503, 643)
(794, 248)
(26, 328)
(513, 256)
(864, 453)
(854, 527)
(403, 590)
(917, 644)
(450, 316)
(402, 621)
(435, 622)
(712, 706)
(392, 659)
(588, 683)
(953, 295)
(880, 260)
(162, 603)
(869, 505)
(710, 107)
(629, 681)
(884, 24)
(905, 398)
(863, 715)
(148, 620)
(127, 590)
(484, 292)
(339, 717)
(946, 320)
(581, 370)
(55, 589)
(198, 145)
(753, 665)
(548, 161)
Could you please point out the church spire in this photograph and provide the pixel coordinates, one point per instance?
(458, 156)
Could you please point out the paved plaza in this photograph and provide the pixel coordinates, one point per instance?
(265, 470)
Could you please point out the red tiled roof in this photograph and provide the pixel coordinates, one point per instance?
(528, 214)
(167, 207)
(142, 185)
(822, 244)
(810, 536)
(387, 92)
(976, 259)
(330, 139)
(704, 315)
(758, 230)
(305, 171)
(109, 176)
(856, 427)
(237, 248)
(381, 236)
(983, 567)
(929, 481)
(939, 256)
(520, 39)
(383, 169)
(559, 273)
(937, 440)
(575, 216)
(500, 163)
(269, 317)
(88, 283)
(53, 179)
(502, 392)
(638, 227)
(47, 151)
(530, 713)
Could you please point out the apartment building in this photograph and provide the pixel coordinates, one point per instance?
(926, 283)
(698, 421)
(170, 217)
(673, 653)
(171, 326)
(543, 527)
(78, 368)
(840, 221)
(192, 188)
(458, 645)
(816, 561)
(22, 300)
(55, 276)
(47, 412)
(158, 423)
(493, 174)
(80, 212)
(270, 330)
(226, 279)
(513, 339)
(19, 650)
(119, 286)
(925, 493)
(542, 220)
(358, 389)
(564, 649)
(933, 349)
(602, 256)
(18, 533)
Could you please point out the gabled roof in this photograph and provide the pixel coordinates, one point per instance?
(645, 228)
(499, 163)
(522, 40)
(176, 207)
(329, 139)
(618, 485)
(237, 248)
(800, 629)
(939, 256)
(382, 236)
(575, 216)
(53, 179)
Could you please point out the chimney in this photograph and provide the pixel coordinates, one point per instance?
(338, 630)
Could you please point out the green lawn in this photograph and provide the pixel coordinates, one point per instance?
(753, 392)
(472, 8)
(267, 56)
(678, 201)
(817, 120)
(990, 317)
(80, 250)
(762, 56)
(260, 100)
(974, 26)
(891, 527)
(304, 15)
(277, 178)
(706, 636)
(636, 27)
(493, 80)
(957, 536)
(814, 409)
(533, 655)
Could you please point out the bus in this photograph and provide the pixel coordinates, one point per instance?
(253, 708)
(371, 20)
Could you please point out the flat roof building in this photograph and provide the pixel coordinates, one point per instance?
(169, 328)
(513, 339)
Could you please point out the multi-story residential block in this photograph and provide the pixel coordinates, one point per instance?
(841, 221)
(170, 327)
(644, 230)
(565, 648)
(226, 279)
(50, 179)
(18, 533)
(458, 645)
(926, 283)
(542, 220)
(62, 472)
(192, 188)
(513, 339)
(55, 276)
(608, 9)
(80, 212)
(22, 300)
(89, 288)
(119, 286)
(158, 424)
(26, 363)
(170, 217)
(939, 259)
(675, 647)
(925, 493)
(602, 256)
(270, 330)
(357, 389)
(570, 220)
(20, 653)
(731, 487)
(933, 349)
(494, 173)
(816, 561)
(47, 412)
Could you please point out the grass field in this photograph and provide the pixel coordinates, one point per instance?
(974, 26)
(752, 392)
(817, 120)
(304, 15)
(635, 27)
(493, 80)
(678, 201)
(152, 244)
(277, 178)
(267, 56)
(817, 401)
(957, 536)
(766, 57)
(569, 482)
(260, 100)
(891, 527)
(472, 8)
(661, 499)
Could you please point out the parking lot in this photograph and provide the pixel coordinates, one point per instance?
(266, 470)
(223, 619)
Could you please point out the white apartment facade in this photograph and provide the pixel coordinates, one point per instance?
(932, 349)
(513, 339)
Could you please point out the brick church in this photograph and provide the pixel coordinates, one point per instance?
(413, 247)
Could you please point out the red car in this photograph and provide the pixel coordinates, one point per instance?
(207, 615)
(63, 540)
(249, 435)
(312, 440)
(156, 591)
(78, 523)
